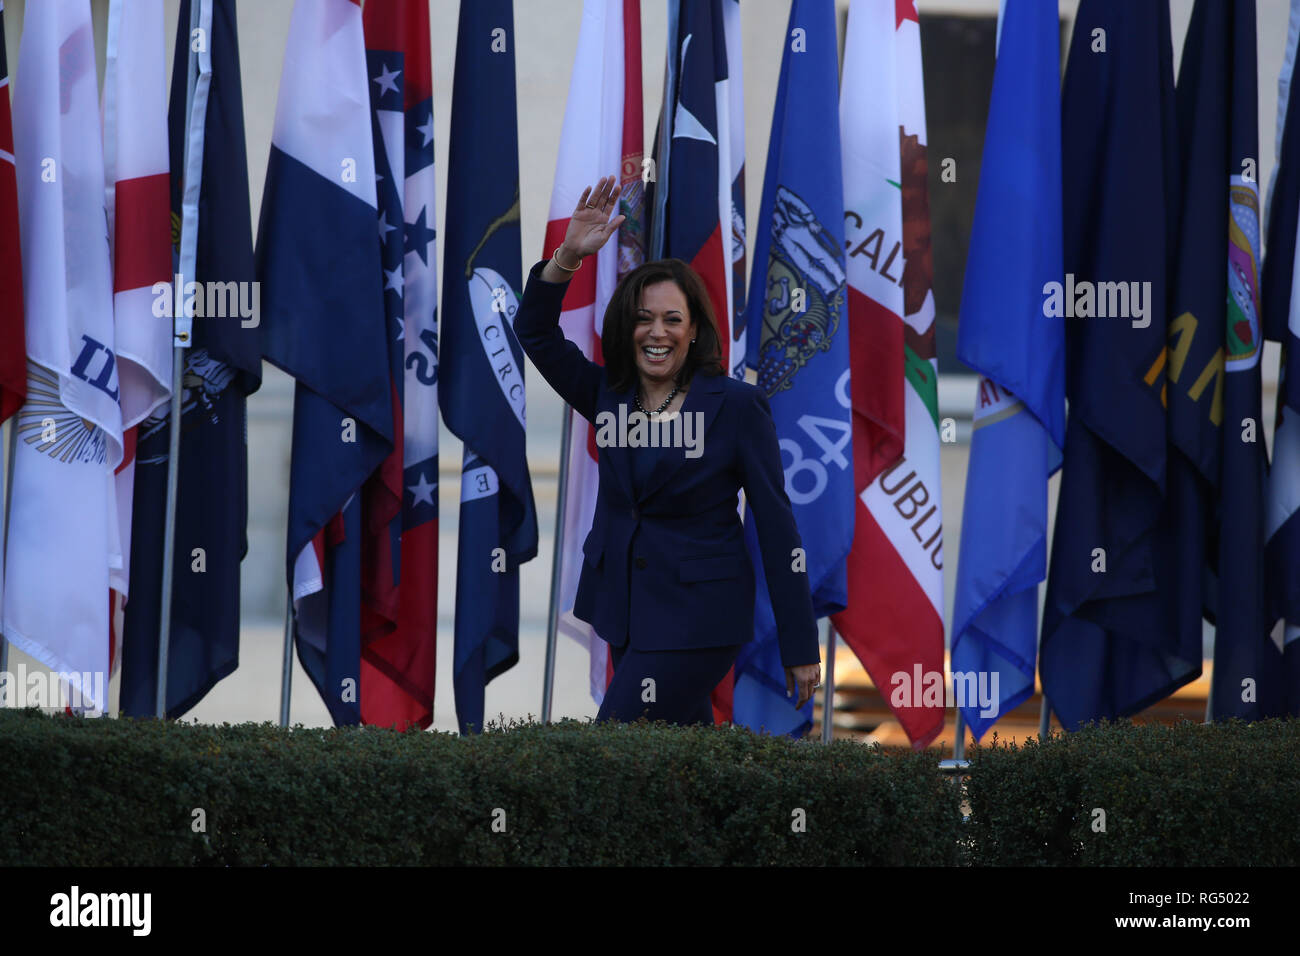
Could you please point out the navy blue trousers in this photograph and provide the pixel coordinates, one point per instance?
(683, 681)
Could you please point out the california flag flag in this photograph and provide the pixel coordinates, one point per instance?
(62, 534)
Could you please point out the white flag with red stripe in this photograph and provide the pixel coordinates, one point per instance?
(601, 133)
(138, 202)
(62, 538)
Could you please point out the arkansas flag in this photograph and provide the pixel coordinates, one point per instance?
(139, 228)
(323, 322)
(62, 537)
(400, 501)
(602, 132)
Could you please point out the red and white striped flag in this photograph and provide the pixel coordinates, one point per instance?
(62, 539)
(138, 201)
(894, 618)
(602, 132)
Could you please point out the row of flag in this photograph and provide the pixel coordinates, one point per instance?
(1168, 512)
(836, 320)
(1166, 497)
(105, 207)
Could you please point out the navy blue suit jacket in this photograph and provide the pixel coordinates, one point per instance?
(667, 568)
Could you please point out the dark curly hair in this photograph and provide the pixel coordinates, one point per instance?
(704, 355)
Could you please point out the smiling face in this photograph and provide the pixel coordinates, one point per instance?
(663, 333)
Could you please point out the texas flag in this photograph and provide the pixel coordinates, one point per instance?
(697, 195)
(138, 199)
(323, 322)
(62, 537)
(602, 132)
(400, 559)
(691, 200)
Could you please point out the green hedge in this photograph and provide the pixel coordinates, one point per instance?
(120, 792)
(88, 792)
(1190, 795)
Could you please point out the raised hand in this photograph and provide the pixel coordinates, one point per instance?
(590, 226)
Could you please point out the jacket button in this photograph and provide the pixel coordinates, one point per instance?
(640, 564)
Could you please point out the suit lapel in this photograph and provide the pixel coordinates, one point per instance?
(705, 396)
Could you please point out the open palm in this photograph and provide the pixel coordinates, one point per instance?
(590, 225)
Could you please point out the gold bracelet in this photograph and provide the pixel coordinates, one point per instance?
(555, 259)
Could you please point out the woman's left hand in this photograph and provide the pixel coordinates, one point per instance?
(805, 679)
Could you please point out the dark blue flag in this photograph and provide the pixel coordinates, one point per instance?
(222, 368)
(1107, 649)
(482, 364)
(1246, 662)
(1019, 421)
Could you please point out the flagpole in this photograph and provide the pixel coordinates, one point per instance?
(1044, 717)
(828, 691)
(4, 543)
(180, 342)
(286, 667)
(169, 530)
(552, 617)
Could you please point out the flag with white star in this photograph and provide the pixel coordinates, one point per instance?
(399, 564)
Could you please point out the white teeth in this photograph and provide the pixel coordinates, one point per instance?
(657, 350)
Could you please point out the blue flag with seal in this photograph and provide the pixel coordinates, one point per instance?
(797, 315)
(1019, 421)
(1246, 662)
(482, 363)
(222, 367)
(1107, 648)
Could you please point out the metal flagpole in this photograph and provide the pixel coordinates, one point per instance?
(552, 617)
(957, 764)
(286, 670)
(828, 691)
(196, 85)
(1044, 717)
(4, 543)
